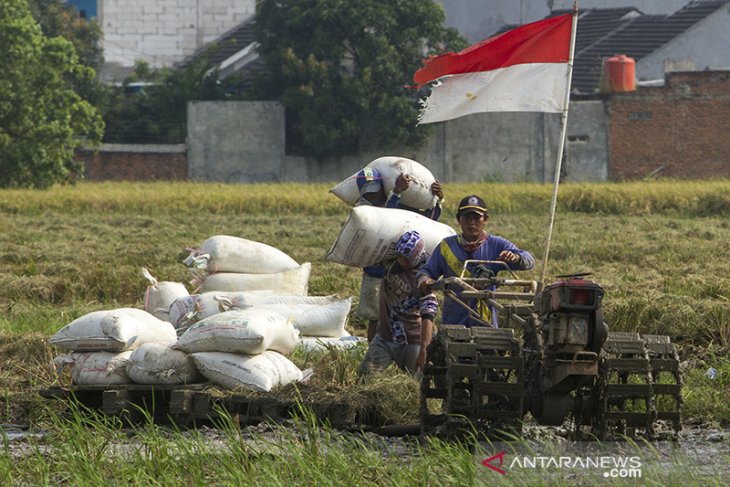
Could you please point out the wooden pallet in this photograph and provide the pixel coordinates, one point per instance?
(198, 404)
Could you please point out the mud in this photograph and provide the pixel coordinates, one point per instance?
(702, 449)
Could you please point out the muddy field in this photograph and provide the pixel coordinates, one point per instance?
(702, 452)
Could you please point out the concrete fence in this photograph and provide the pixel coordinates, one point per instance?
(244, 142)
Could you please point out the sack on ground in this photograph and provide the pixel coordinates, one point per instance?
(320, 344)
(224, 253)
(185, 312)
(113, 331)
(159, 363)
(418, 194)
(96, 368)
(294, 281)
(249, 331)
(260, 372)
(160, 295)
(315, 319)
(370, 233)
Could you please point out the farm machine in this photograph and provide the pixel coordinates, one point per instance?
(552, 356)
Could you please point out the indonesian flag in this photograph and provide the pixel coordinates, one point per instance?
(526, 69)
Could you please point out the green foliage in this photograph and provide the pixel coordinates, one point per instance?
(157, 112)
(57, 18)
(342, 69)
(42, 118)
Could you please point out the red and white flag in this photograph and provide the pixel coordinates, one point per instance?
(526, 69)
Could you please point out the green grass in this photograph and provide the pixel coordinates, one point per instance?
(82, 448)
(659, 248)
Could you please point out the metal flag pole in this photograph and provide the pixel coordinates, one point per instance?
(561, 146)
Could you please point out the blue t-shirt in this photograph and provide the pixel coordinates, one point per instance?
(437, 266)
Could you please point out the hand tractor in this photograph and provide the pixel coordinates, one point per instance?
(552, 356)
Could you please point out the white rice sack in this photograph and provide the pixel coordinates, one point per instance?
(223, 253)
(249, 331)
(182, 310)
(190, 309)
(245, 299)
(319, 344)
(295, 281)
(315, 319)
(186, 312)
(418, 194)
(159, 363)
(370, 233)
(96, 368)
(113, 331)
(260, 372)
(313, 315)
(159, 295)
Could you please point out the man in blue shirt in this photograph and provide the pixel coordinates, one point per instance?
(372, 193)
(474, 243)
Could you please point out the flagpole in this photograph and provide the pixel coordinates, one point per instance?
(561, 146)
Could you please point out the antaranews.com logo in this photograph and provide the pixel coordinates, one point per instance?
(610, 466)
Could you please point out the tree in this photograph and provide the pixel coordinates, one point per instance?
(58, 18)
(157, 110)
(342, 69)
(42, 119)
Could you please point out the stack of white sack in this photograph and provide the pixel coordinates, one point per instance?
(319, 316)
(160, 295)
(100, 343)
(369, 235)
(418, 195)
(243, 348)
(230, 264)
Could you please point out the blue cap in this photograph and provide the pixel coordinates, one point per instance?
(369, 180)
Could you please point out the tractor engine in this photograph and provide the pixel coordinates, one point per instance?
(571, 317)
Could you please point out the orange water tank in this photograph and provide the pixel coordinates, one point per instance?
(619, 73)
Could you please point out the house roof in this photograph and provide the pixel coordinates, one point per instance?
(226, 49)
(602, 32)
(634, 35)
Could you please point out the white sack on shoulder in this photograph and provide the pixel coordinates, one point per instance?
(418, 195)
(159, 363)
(248, 331)
(96, 368)
(294, 281)
(160, 295)
(260, 372)
(113, 331)
(224, 253)
(370, 233)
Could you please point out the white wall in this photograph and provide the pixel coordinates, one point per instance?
(163, 32)
(244, 142)
(700, 44)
